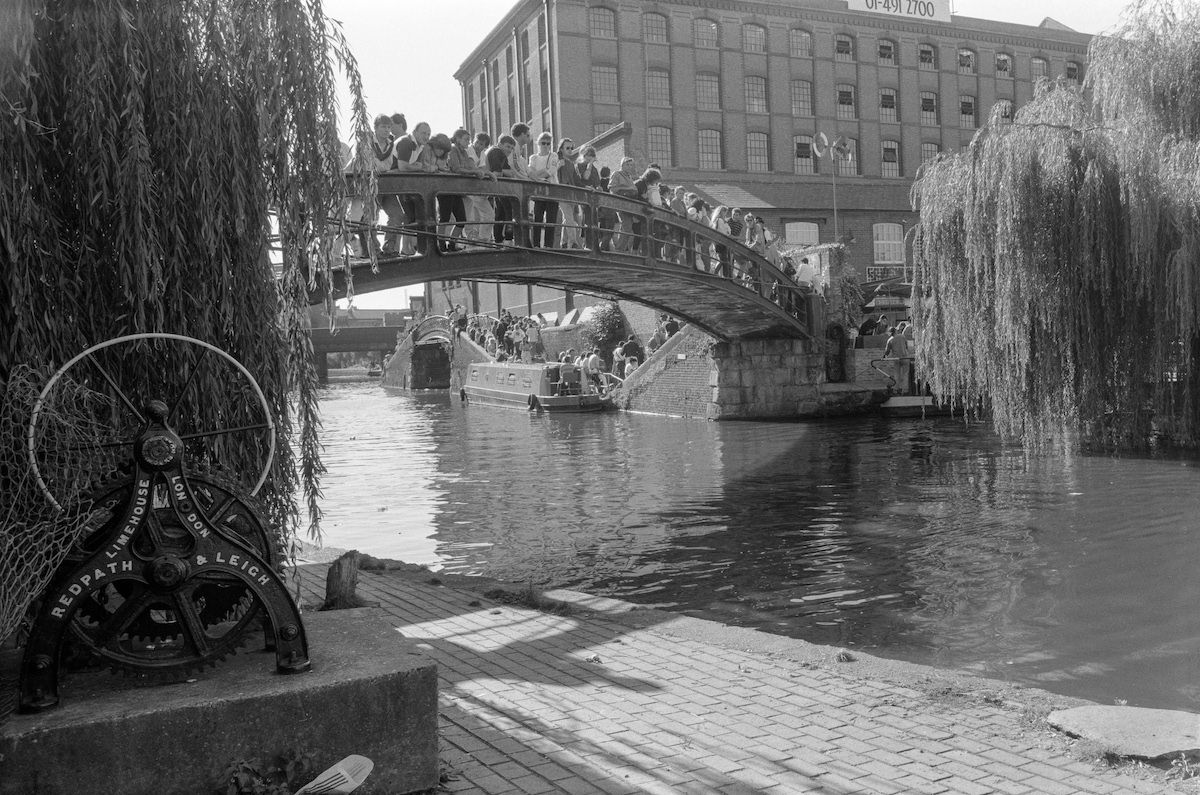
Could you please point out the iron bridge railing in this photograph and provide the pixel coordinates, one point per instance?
(656, 238)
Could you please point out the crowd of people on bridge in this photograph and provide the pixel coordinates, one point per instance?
(476, 221)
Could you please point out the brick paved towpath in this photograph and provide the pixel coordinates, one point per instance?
(612, 698)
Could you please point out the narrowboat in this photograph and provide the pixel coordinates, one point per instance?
(375, 370)
(550, 387)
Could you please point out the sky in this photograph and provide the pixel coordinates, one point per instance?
(408, 51)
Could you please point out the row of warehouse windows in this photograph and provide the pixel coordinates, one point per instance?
(706, 34)
(888, 240)
(805, 160)
(754, 91)
(487, 105)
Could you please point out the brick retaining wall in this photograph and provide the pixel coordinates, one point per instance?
(693, 375)
(676, 380)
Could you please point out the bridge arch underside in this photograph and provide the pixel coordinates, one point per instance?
(723, 308)
(675, 265)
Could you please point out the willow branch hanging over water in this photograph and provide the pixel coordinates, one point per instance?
(143, 144)
(1057, 257)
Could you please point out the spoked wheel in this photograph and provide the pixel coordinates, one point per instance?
(120, 377)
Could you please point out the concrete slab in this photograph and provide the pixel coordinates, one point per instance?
(370, 692)
(1132, 731)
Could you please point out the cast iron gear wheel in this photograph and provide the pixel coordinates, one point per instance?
(103, 627)
(216, 600)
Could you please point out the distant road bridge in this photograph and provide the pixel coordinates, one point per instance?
(683, 268)
(356, 339)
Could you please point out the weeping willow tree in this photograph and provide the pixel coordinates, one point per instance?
(1057, 257)
(143, 145)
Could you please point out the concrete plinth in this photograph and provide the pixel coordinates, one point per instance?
(370, 692)
(1133, 731)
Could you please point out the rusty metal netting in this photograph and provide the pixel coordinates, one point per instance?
(35, 534)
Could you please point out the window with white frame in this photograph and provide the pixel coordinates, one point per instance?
(754, 38)
(758, 152)
(1073, 72)
(604, 84)
(966, 62)
(887, 52)
(1038, 67)
(800, 43)
(889, 243)
(602, 22)
(966, 112)
(658, 145)
(705, 34)
(929, 152)
(803, 160)
(929, 108)
(1003, 65)
(801, 233)
(802, 98)
(927, 57)
(654, 29)
(711, 156)
(708, 91)
(890, 158)
(889, 109)
(658, 88)
(843, 47)
(756, 94)
(846, 106)
(847, 165)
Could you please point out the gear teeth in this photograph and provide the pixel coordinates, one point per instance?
(216, 603)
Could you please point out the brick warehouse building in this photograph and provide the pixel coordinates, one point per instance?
(730, 96)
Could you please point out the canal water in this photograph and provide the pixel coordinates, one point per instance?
(922, 540)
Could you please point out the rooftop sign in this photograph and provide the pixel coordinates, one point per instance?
(924, 10)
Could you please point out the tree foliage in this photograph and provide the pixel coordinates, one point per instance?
(1057, 257)
(604, 327)
(143, 144)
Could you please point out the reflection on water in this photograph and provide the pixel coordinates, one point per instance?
(918, 540)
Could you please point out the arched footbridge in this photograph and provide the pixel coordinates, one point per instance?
(669, 262)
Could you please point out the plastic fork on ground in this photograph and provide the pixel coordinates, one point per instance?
(344, 777)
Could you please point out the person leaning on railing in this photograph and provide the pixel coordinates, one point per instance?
(498, 159)
(413, 155)
(544, 167)
(381, 159)
(677, 204)
(569, 175)
(720, 224)
(479, 208)
(459, 161)
(647, 191)
(587, 176)
(698, 213)
(620, 183)
(607, 219)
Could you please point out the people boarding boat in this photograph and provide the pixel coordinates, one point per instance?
(555, 387)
